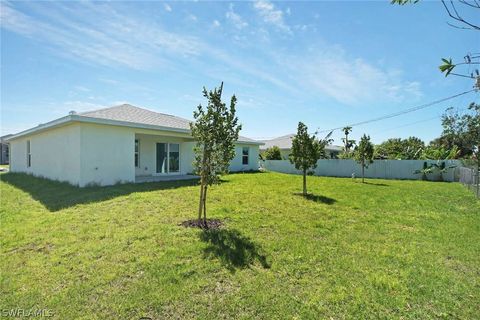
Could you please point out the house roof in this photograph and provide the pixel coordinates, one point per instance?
(285, 143)
(129, 113)
(5, 137)
(125, 115)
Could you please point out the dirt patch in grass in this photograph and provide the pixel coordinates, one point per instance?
(211, 224)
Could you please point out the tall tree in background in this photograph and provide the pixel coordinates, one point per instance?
(215, 129)
(272, 153)
(364, 154)
(306, 150)
(460, 130)
(347, 143)
(400, 149)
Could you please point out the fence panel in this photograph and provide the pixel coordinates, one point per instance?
(470, 177)
(382, 169)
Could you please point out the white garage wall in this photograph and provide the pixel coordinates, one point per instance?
(383, 169)
(107, 155)
(55, 154)
(236, 164)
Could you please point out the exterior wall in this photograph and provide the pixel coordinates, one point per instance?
(107, 155)
(383, 169)
(253, 158)
(55, 154)
(93, 154)
(187, 155)
(147, 163)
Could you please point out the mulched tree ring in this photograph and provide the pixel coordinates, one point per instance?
(195, 223)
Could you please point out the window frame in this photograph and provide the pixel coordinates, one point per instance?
(245, 156)
(29, 154)
(136, 153)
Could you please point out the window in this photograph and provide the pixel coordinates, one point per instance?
(168, 157)
(245, 151)
(137, 154)
(29, 155)
(173, 157)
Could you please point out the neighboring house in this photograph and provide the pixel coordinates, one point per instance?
(4, 150)
(114, 145)
(285, 145)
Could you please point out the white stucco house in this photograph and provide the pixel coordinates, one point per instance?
(284, 143)
(114, 145)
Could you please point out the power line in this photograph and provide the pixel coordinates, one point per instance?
(399, 113)
(410, 124)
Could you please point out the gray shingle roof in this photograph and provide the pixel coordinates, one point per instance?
(285, 142)
(129, 113)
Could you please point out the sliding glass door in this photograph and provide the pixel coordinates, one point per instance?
(168, 158)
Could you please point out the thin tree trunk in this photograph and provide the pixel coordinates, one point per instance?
(363, 171)
(205, 205)
(304, 182)
(200, 205)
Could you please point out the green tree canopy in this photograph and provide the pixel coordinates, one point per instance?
(272, 153)
(306, 150)
(216, 130)
(401, 149)
(364, 153)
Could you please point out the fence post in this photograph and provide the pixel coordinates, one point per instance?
(478, 183)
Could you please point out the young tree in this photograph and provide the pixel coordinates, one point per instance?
(364, 154)
(306, 150)
(272, 153)
(215, 129)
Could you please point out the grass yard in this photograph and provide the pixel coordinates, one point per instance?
(385, 249)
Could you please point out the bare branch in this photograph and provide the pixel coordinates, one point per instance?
(459, 27)
(476, 5)
(462, 75)
(453, 13)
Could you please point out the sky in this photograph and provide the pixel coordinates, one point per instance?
(325, 63)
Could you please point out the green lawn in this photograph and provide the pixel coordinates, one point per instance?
(385, 249)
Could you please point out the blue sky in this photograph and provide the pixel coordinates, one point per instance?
(324, 63)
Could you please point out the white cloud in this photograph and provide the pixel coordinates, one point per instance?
(167, 7)
(81, 88)
(271, 15)
(192, 17)
(235, 18)
(98, 34)
(216, 23)
(351, 81)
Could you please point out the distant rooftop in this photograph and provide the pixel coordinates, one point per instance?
(285, 142)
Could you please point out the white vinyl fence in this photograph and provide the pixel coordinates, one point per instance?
(470, 178)
(382, 169)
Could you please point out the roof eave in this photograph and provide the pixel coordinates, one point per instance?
(84, 119)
